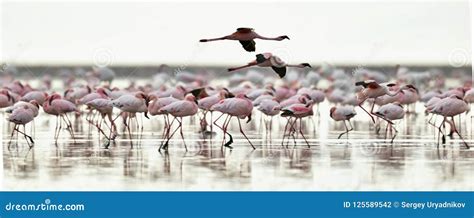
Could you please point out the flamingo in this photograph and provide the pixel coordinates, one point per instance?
(206, 103)
(270, 60)
(131, 104)
(298, 111)
(58, 107)
(450, 107)
(391, 112)
(6, 98)
(21, 116)
(104, 107)
(179, 109)
(39, 96)
(373, 90)
(269, 107)
(343, 113)
(246, 37)
(156, 103)
(240, 107)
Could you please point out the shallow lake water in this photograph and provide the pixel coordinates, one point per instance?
(361, 161)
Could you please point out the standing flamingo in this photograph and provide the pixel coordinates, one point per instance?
(390, 112)
(240, 107)
(22, 116)
(6, 99)
(58, 107)
(373, 90)
(270, 60)
(131, 104)
(343, 113)
(104, 107)
(297, 111)
(246, 37)
(206, 103)
(179, 109)
(450, 107)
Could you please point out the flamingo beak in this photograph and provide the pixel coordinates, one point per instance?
(249, 118)
(146, 115)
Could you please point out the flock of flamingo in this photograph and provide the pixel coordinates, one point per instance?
(295, 98)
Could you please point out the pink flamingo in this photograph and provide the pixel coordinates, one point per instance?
(39, 96)
(156, 103)
(240, 107)
(373, 90)
(297, 111)
(343, 113)
(391, 111)
(246, 37)
(131, 104)
(179, 109)
(6, 100)
(22, 116)
(270, 60)
(206, 103)
(58, 107)
(450, 107)
(104, 107)
(269, 107)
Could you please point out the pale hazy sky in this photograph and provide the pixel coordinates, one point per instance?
(157, 32)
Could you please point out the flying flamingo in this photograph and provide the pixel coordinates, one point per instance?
(343, 113)
(240, 107)
(270, 60)
(179, 109)
(450, 107)
(373, 90)
(22, 116)
(246, 37)
(391, 111)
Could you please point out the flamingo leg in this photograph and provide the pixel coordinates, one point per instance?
(457, 132)
(396, 132)
(441, 131)
(231, 140)
(284, 131)
(27, 137)
(360, 105)
(180, 121)
(11, 136)
(164, 144)
(128, 119)
(242, 131)
(347, 130)
(302, 134)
